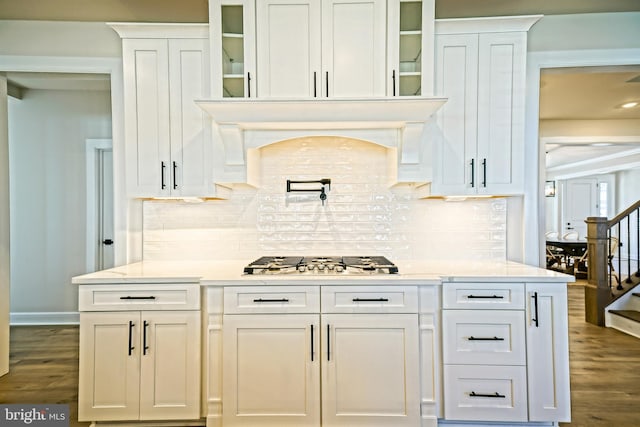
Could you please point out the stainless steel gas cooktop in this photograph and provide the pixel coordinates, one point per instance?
(321, 265)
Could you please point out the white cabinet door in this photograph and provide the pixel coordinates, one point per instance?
(354, 48)
(548, 352)
(167, 134)
(370, 372)
(501, 92)
(321, 48)
(271, 370)
(288, 48)
(170, 365)
(146, 108)
(190, 173)
(139, 365)
(456, 77)
(233, 43)
(109, 375)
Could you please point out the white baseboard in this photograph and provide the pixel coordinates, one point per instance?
(45, 318)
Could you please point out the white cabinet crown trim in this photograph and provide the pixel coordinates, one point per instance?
(150, 30)
(493, 24)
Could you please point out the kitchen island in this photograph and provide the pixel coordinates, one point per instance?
(440, 342)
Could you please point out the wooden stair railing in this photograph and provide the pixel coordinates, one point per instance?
(603, 277)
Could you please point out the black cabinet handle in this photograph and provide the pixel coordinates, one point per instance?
(495, 395)
(485, 297)
(484, 173)
(131, 347)
(162, 168)
(315, 85)
(535, 308)
(326, 81)
(271, 300)
(175, 184)
(151, 297)
(312, 343)
(248, 84)
(370, 300)
(328, 343)
(473, 173)
(145, 347)
(472, 338)
(107, 242)
(393, 81)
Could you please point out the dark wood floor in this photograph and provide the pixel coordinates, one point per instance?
(605, 379)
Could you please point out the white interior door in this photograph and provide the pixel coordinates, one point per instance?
(579, 201)
(100, 243)
(4, 228)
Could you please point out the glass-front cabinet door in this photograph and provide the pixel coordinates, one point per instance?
(410, 47)
(232, 28)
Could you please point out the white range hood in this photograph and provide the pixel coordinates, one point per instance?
(396, 123)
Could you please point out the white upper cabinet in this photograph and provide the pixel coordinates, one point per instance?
(410, 47)
(167, 136)
(321, 48)
(232, 34)
(481, 69)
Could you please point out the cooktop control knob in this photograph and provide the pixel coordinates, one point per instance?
(321, 267)
(302, 268)
(339, 268)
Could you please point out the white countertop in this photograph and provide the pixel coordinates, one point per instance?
(230, 273)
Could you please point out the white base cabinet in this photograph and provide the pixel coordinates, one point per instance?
(505, 352)
(138, 364)
(353, 363)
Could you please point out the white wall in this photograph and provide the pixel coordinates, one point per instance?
(47, 133)
(628, 190)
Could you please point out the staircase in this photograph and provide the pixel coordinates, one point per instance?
(612, 294)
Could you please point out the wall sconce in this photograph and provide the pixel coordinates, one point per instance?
(322, 190)
(550, 189)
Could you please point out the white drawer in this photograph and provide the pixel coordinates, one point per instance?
(485, 393)
(487, 296)
(369, 299)
(271, 299)
(183, 296)
(481, 337)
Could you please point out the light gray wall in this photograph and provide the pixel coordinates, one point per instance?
(585, 31)
(4, 230)
(47, 133)
(67, 39)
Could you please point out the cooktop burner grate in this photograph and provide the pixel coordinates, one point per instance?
(321, 265)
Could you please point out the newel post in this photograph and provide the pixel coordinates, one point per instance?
(597, 293)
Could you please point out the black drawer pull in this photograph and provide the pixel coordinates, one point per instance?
(472, 338)
(485, 297)
(370, 300)
(495, 395)
(130, 297)
(131, 347)
(271, 300)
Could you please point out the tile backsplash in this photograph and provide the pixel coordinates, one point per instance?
(361, 215)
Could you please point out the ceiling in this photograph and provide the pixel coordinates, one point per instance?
(589, 93)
